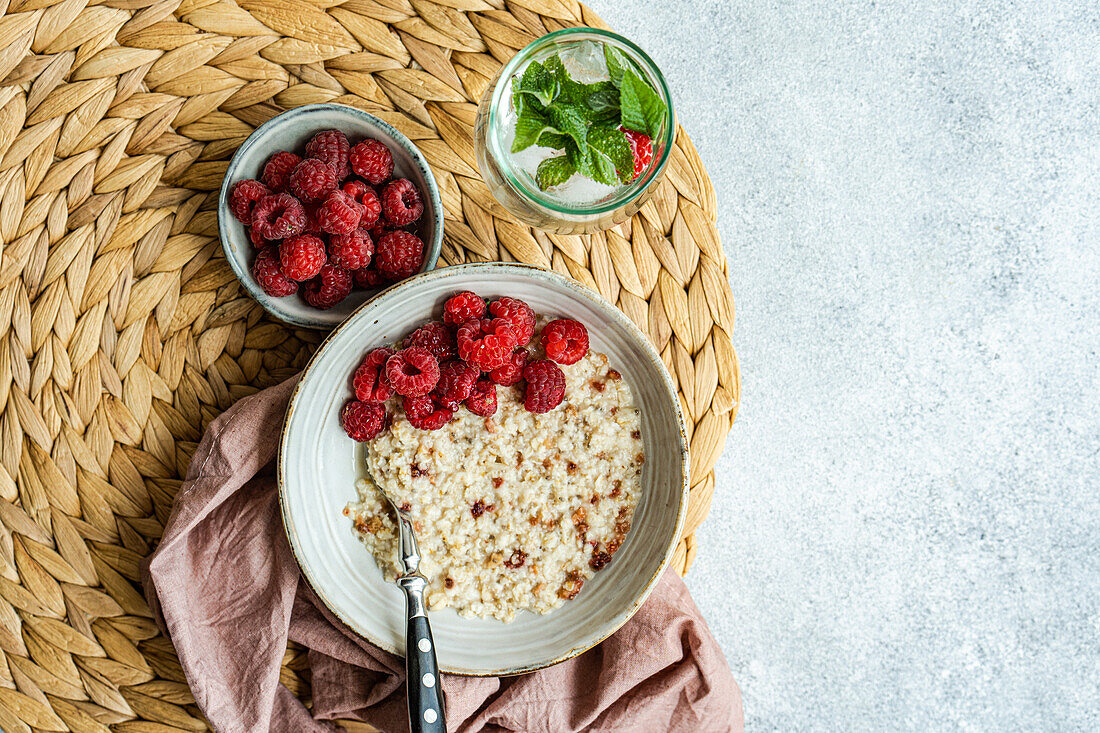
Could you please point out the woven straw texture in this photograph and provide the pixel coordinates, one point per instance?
(123, 331)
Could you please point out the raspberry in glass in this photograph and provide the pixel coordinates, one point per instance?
(399, 253)
(565, 340)
(486, 343)
(278, 216)
(545, 386)
(412, 372)
(641, 147)
(401, 203)
(312, 179)
(244, 196)
(331, 286)
(463, 307)
(331, 146)
(302, 257)
(269, 274)
(372, 160)
(339, 214)
(277, 169)
(363, 421)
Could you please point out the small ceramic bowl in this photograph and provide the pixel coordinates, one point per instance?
(291, 131)
(319, 465)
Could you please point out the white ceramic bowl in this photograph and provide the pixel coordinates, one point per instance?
(318, 467)
(291, 131)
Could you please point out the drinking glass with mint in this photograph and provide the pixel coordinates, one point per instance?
(575, 131)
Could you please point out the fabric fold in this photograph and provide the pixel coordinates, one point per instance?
(224, 585)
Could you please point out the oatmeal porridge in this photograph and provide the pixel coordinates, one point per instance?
(516, 510)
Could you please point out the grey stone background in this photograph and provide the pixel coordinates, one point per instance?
(906, 531)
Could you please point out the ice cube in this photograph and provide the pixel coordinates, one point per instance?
(585, 62)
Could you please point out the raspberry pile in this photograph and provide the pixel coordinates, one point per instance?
(329, 220)
(458, 361)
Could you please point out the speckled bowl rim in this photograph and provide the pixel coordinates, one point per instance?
(432, 249)
(520, 271)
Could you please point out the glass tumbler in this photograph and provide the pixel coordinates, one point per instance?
(578, 205)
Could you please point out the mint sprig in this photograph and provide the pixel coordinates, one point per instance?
(642, 108)
(584, 120)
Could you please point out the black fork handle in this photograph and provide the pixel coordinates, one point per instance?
(421, 669)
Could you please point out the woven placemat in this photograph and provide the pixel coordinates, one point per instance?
(124, 331)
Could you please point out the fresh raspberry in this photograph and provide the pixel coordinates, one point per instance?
(339, 214)
(463, 307)
(565, 340)
(545, 386)
(380, 229)
(243, 197)
(366, 278)
(277, 169)
(257, 239)
(399, 253)
(356, 189)
(269, 274)
(512, 371)
(372, 160)
(363, 421)
(482, 399)
(369, 382)
(331, 146)
(312, 179)
(486, 343)
(302, 257)
(436, 338)
(351, 251)
(278, 216)
(517, 313)
(401, 202)
(368, 197)
(412, 371)
(312, 225)
(331, 285)
(425, 414)
(456, 379)
(641, 147)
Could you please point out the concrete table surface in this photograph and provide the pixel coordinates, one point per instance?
(906, 529)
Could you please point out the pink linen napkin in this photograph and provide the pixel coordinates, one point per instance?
(225, 586)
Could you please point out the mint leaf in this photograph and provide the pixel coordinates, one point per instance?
(554, 140)
(554, 171)
(610, 143)
(529, 128)
(539, 83)
(604, 171)
(603, 100)
(642, 109)
(580, 158)
(570, 120)
(525, 103)
(591, 165)
(617, 62)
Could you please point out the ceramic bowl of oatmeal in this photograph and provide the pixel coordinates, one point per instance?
(542, 533)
